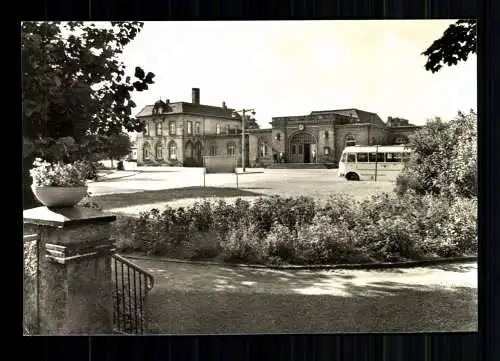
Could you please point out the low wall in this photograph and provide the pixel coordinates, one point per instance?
(220, 164)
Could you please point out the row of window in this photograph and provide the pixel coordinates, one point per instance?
(172, 129)
(375, 157)
(197, 129)
(172, 150)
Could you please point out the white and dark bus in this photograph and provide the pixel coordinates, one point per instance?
(377, 162)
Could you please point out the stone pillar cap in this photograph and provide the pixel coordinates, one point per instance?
(62, 217)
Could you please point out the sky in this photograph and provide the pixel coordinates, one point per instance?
(287, 68)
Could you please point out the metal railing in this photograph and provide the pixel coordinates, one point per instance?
(31, 285)
(130, 287)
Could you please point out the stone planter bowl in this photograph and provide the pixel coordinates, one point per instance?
(59, 196)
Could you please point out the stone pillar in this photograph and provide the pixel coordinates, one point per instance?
(75, 278)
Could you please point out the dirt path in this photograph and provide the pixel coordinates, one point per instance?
(212, 299)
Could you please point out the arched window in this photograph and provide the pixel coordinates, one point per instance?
(263, 148)
(172, 150)
(231, 148)
(158, 128)
(159, 151)
(189, 150)
(401, 140)
(146, 151)
(350, 141)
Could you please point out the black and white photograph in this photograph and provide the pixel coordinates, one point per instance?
(249, 177)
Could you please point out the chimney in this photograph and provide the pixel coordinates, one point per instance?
(224, 106)
(195, 96)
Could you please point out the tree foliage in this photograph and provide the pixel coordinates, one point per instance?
(456, 44)
(444, 161)
(251, 122)
(117, 146)
(72, 81)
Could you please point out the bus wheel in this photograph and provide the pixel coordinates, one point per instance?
(352, 177)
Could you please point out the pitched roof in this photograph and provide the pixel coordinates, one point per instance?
(184, 107)
(360, 115)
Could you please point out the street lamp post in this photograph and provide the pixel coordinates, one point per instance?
(242, 111)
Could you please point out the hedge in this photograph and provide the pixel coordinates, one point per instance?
(274, 230)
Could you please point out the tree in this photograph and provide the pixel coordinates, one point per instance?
(74, 88)
(72, 81)
(250, 122)
(117, 146)
(456, 44)
(444, 160)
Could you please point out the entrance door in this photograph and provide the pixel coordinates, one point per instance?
(307, 153)
(300, 148)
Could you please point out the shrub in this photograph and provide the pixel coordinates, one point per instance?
(282, 244)
(386, 227)
(244, 244)
(444, 159)
(389, 239)
(326, 242)
(460, 230)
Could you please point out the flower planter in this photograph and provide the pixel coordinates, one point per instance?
(59, 196)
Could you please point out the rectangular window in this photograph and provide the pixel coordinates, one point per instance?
(217, 128)
(197, 128)
(301, 149)
(146, 129)
(213, 151)
(158, 128)
(326, 134)
(294, 149)
(362, 157)
(171, 129)
(377, 157)
(227, 129)
(351, 157)
(327, 151)
(393, 157)
(190, 127)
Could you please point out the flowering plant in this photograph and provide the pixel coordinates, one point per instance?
(46, 174)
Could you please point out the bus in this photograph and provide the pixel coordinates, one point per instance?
(377, 162)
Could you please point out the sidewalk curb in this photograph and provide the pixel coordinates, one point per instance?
(104, 178)
(359, 266)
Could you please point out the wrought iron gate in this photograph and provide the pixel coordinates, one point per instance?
(131, 285)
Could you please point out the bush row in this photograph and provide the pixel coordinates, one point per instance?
(386, 227)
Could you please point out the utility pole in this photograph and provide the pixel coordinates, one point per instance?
(243, 111)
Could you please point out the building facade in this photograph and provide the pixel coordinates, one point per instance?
(321, 136)
(182, 133)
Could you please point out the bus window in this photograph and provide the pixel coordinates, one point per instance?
(393, 157)
(344, 157)
(362, 157)
(351, 157)
(377, 157)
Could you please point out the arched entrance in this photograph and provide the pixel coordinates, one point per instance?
(302, 148)
(198, 153)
